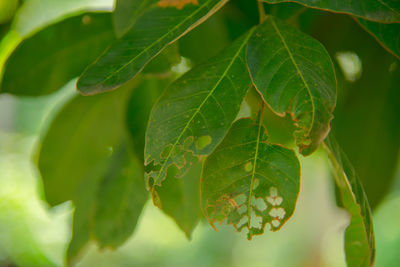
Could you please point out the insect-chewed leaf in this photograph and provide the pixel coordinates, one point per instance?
(149, 35)
(359, 235)
(377, 10)
(294, 74)
(193, 115)
(250, 182)
(388, 35)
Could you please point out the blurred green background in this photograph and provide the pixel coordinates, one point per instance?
(34, 234)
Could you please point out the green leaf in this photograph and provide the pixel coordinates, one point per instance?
(180, 198)
(376, 10)
(151, 33)
(250, 182)
(388, 35)
(36, 14)
(127, 12)
(295, 75)
(193, 115)
(359, 235)
(57, 54)
(138, 111)
(120, 199)
(80, 160)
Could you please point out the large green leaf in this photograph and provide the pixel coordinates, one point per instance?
(46, 61)
(127, 12)
(388, 35)
(83, 159)
(178, 198)
(359, 235)
(119, 200)
(295, 75)
(36, 14)
(377, 10)
(155, 29)
(250, 182)
(193, 115)
(367, 124)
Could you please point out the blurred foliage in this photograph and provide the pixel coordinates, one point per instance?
(90, 165)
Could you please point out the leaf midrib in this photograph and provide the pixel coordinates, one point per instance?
(155, 42)
(298, 72)
(253, 172)
(202, 104)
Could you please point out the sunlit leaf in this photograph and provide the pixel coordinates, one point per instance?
(36, 14)
(377, 10)
(193, 114)
(155, 29)
(388, 35)
(79, 154)
(295, 75)
(359, 235)
(46, 61)
(249, 182)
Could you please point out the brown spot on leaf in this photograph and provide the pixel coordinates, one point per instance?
(179, 4)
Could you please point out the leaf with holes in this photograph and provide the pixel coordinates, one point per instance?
(155, 29)
(388, 35)
(249, 182)
(377, 10)
(180, 198)
(359, 235)
(193, 115)
(295, 75)
(57, 54)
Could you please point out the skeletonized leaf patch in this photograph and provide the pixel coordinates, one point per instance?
(249, 182)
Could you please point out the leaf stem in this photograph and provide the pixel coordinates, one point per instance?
(261, 11)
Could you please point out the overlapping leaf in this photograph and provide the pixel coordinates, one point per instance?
(83, 158)
(359, 235)
(295, 75)
(46, 61)
(195, 112)
(178, 198)
(127, 12)
(388, 35)
(377, 10)
(250, 182)
(156, 28)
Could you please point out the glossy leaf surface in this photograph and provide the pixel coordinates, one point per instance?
(359, 235)
(376, 10)
(193, 114)
(150, 34)
(82, 152)
(57, 54)
(295, 75)
(249, 182)
(388, 35)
